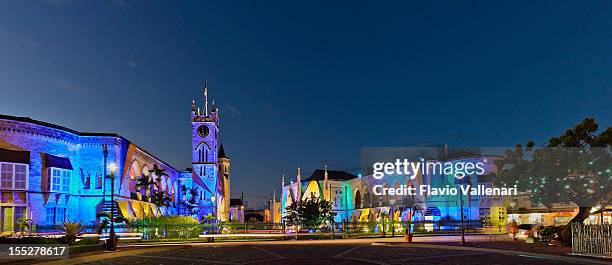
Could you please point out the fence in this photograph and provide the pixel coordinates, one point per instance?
(185, 231)
(421, 227)
(592, 239)
(148, 231)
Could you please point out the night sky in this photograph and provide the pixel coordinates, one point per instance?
(309, 83)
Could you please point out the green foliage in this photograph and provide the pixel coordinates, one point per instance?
(573, 168)
(144, 183)
(29, 240)
(157, 171)
(102, 225)
(72, 230)
(168, 227)
(24, 224)
(550, 231)
(310, 213)
(210, 217)
(160, 199)
(106, 221)
(166, 220)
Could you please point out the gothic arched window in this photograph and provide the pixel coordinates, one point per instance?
(203, 152)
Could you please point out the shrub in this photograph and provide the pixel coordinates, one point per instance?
(550, 231)
(88, 241)
(173, 226)
(28, 240)
(72, 230)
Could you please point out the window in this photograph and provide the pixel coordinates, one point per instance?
(20, 216)
(13, 176)
(203, 153)
(55, 216)
(87, 182)
(55, 181)
(6, 177)
(50, 216)
(7, 218)
(12, 218)
(20, 177)
(60, 215)
(58, 180)
(65, 181)
(99, 180)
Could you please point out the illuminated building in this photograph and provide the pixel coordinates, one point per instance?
(49, 174)
(353, 199)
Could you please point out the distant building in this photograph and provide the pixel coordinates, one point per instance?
(50, 173)
(353, 199)
(236, 211)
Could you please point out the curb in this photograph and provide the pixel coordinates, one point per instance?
(500, 251)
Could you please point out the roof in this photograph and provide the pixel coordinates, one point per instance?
(57, 162)
(459, 154)
(14, 156)
(235, 202)
(319, 174)
(222, 152)
(55, 126)
(68, 130)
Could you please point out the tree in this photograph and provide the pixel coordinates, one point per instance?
(106, 221)
(160, 198)
(159, 173)
(190, 202)
(574, 167)
(144, 182)
(310, 213)
(413, 205)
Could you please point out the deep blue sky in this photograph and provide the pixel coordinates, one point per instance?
(309, 82)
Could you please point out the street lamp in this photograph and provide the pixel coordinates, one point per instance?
(105, 153)
(214, 204)
(112, 243)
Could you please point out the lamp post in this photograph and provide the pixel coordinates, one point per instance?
(111, 236)
(105, 153)
(214, 204)
(462, 216)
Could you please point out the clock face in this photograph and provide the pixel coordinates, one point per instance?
(203, 131)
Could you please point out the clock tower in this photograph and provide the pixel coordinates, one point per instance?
(204, 156)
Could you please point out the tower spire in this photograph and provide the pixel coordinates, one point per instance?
(193, 106)
(325, 185)
(206, 98)
(283, 181)
(299, 185)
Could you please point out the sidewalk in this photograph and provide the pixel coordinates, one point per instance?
(559, 253)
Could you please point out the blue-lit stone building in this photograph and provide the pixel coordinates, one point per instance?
(353, 199)
(49, 174)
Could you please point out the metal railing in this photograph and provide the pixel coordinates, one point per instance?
(592, 239)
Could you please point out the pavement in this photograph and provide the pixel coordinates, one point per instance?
(425, 250)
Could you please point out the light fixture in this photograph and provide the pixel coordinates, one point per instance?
(112, 167)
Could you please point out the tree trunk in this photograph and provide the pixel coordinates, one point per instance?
(583, 214)
(566, 234)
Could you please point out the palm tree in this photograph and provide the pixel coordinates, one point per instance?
(160, 199)
(143, 182)
(159, 173)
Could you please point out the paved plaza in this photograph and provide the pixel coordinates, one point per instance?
(349, 251)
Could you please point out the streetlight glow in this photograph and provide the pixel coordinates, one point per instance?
(112, 167)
